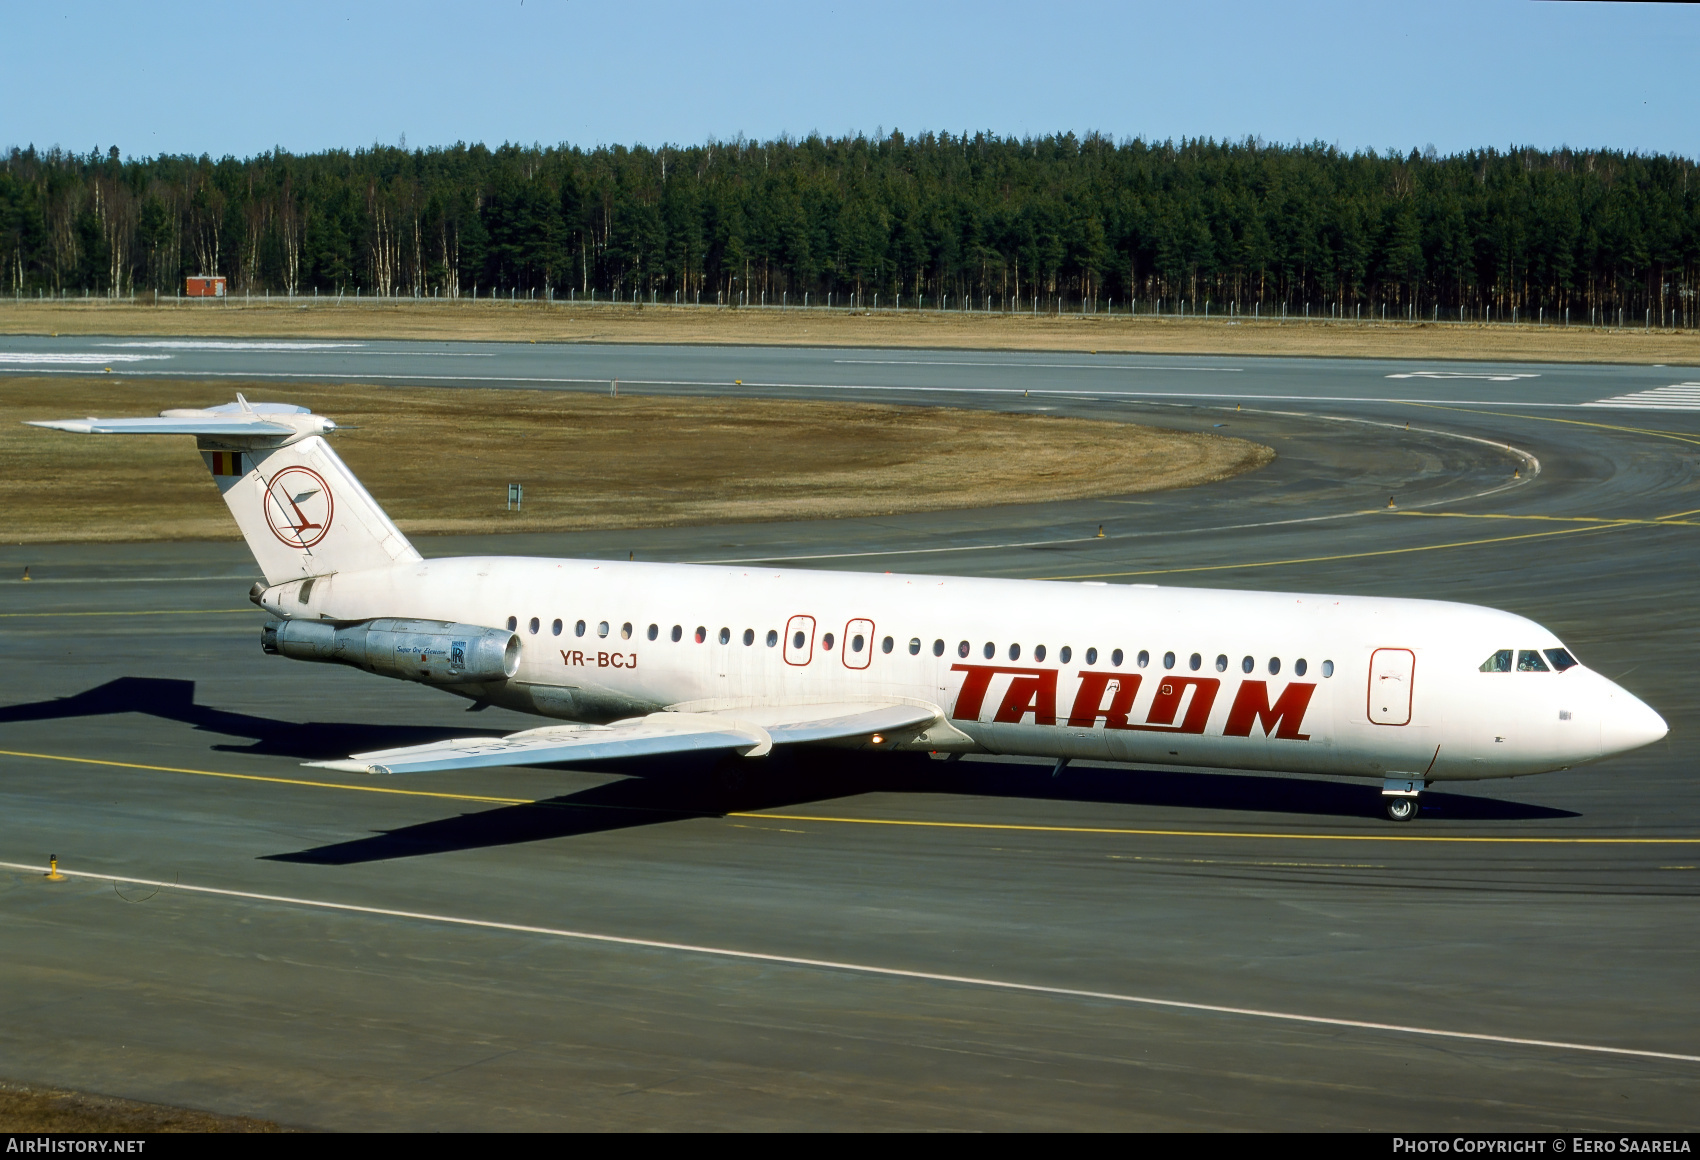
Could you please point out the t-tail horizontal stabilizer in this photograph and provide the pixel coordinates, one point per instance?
(299, 507)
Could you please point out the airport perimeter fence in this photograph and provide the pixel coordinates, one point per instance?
(1671, 319)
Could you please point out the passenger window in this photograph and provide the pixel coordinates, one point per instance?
(602, 629)
(1499, 662)
(856, 643)
(555, 628)
(1168, 660)
(1116, 658)
(826, 641)
(513, 623)
(962, 649)
(1091, 656)
(1561, 659)
(749, 637)
(1299, 667)
(725, 635)
(1194, 661)
(772, 638)
(1328, 668)
(1014, 652)
(938, 648)
(886, 644)
(1275, 666)
(915, 646)
(626, 631)
(578, 629)
(991, 650)
(702, 634)
(533, 626)
(1066, 655)
(678, 631)
(1038, 652)
(1221, 662)
(1529, 661)
(654, 631)
(1144, 658)
(1248, 664)
(799, 639)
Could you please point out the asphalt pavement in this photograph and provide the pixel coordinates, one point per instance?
(850, 942)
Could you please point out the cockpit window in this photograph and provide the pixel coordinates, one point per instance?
(1499, 662)
(1529, 661)
(1561, 659)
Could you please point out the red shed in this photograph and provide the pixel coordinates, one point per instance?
(203, 287)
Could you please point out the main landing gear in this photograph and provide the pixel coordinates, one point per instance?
(1400, 796)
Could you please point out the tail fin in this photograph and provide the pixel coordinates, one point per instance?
(301, 510)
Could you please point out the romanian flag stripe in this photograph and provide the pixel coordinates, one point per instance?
(225, 462)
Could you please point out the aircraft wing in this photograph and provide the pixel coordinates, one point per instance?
(751, 732)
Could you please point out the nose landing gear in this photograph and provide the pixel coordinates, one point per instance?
(1400, 796)
(1401, 809)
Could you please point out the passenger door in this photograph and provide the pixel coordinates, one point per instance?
(1391, 674)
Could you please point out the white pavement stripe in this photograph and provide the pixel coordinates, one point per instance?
(51, 358)
(1676, 397)
(1093, 366)
(1506, 377)
(868, 969)
(213, 344)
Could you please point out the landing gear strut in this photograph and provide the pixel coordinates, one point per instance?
(1400, 796)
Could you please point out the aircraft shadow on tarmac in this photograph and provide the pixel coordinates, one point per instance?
(659, 790)
(174, 700)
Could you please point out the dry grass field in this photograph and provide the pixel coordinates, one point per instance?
(28, 1109)
(440, 460)
(526, 321)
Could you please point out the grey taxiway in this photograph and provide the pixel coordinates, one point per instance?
(843, 942)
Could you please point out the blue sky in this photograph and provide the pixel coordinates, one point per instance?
(235, 78)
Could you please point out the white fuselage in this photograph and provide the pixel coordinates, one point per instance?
(1346, 685)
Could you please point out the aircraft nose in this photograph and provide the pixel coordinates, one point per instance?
(1628, 723)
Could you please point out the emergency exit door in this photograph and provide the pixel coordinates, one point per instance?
(799, 640)
(1391, 672)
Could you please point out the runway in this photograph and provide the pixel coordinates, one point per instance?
(846, 943)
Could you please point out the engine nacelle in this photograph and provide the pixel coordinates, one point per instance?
(435, 652)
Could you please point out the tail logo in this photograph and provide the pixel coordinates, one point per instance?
(298, 506)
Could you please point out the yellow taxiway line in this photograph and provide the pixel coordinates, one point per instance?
(909, 822)
(274, 780)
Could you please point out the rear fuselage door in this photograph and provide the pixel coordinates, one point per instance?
(1391, 673)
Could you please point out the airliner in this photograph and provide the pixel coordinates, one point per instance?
(644, 659)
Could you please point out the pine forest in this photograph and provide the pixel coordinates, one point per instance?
(973, 222)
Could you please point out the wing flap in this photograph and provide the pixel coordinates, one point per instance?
(651, 736)
(750, 731)
(802, 724)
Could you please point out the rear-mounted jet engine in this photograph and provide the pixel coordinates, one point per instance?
(433, 652)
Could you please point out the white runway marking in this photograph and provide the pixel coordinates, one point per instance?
(221, 344)
(49, 358)
(344, 349)
(868, 969)
(1676, 397)
(917, 362)
(1509, 377)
